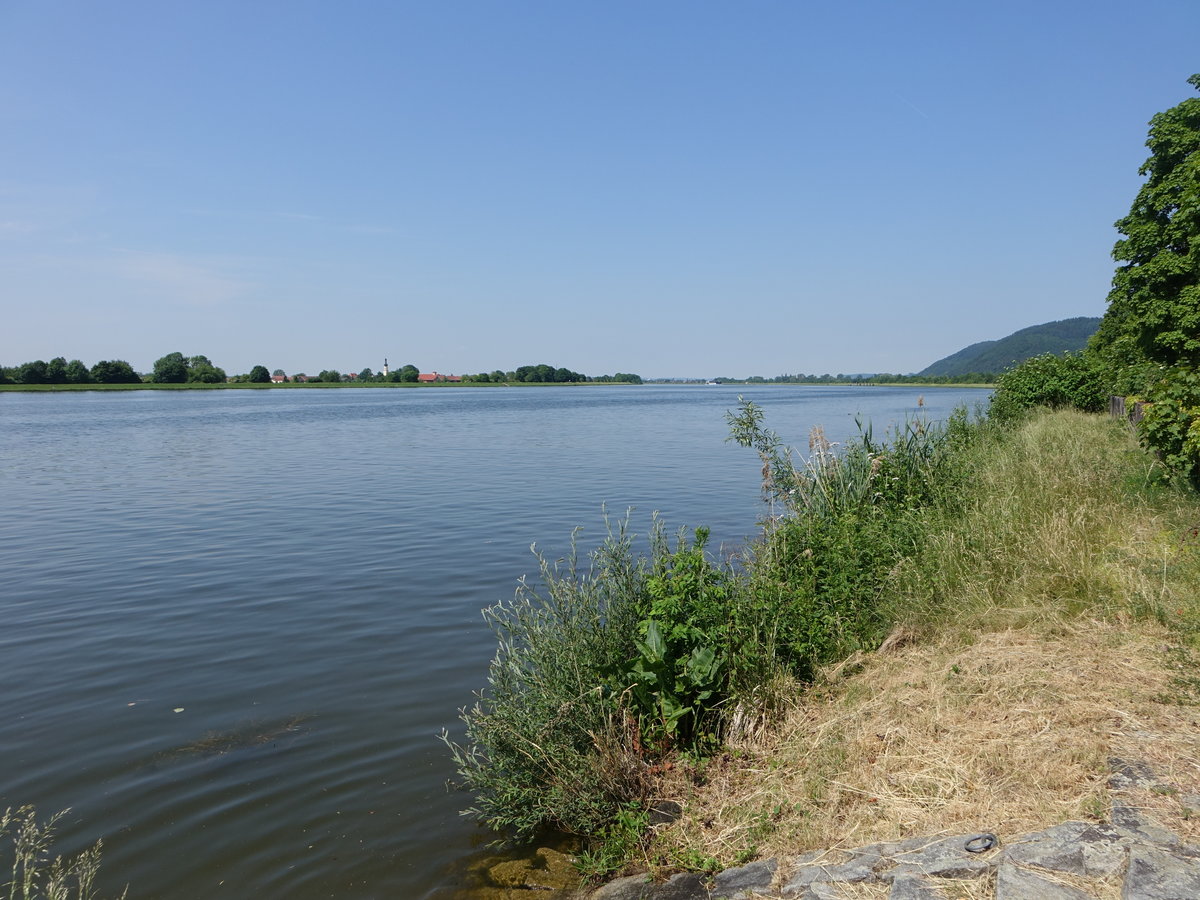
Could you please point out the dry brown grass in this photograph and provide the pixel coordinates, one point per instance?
(1009, 734)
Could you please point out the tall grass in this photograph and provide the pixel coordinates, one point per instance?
(844, 520)
(1063, 516)
(33, 875)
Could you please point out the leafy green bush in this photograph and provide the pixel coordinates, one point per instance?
(848, 517)
(546, 743)
(1171, 425)
(598, 673)
(1075, 380)
(678, 676)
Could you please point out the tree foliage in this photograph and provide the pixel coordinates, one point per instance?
(546, 374)
(200, 370)
(1154, 306)
(170, 369)
(114, 371)
(1150, 336)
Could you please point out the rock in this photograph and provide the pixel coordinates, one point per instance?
(1152, 862)
(548, 870)
(1057, 849)
(1142, 830)
(664, 812)
(1015, 883)
(1127, 774)
(740, 883)
(914, 887)
(1075, 848)
(891, 849)
(688, 886)
(1156, 875)
(631, 887)
(1105, 850)
(942, 858)
(856, 870)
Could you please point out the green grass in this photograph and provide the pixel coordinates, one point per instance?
(1064, 516)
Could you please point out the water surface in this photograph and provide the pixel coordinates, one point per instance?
(233, 623)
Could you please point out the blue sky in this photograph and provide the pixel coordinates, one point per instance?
(669, 188)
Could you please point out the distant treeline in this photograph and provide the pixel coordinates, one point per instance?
(60, 371)
(544, 374)
(175, 368)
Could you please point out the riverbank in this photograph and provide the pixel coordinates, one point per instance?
(1046, 625)
(1070, 590)
(312, 385)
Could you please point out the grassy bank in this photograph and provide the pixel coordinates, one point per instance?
(953, 628)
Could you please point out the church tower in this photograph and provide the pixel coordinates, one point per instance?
(385, 369)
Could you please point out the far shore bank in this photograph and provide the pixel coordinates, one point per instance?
(197, 386)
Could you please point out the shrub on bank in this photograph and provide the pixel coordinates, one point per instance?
(1075, 380)
(1171, 425)
(603, 674)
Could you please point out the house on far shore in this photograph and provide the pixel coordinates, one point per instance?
(425, 377)
(279, 379)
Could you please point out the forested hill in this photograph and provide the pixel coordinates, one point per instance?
(996, 356)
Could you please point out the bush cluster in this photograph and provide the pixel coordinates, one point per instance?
(1073, 380)
(605, 671)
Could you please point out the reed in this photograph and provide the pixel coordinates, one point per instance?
(33, 875)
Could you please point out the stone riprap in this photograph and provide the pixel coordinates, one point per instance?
(1071, 861)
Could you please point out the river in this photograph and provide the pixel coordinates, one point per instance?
(235, 622)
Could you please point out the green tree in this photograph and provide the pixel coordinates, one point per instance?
(332, 375)
(170, 369)
(201, 370)
(1154, 305)
(409, 373)
(259, 375)
(1150, 335)
(77, 372)
(31, 372)
(56, 370)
